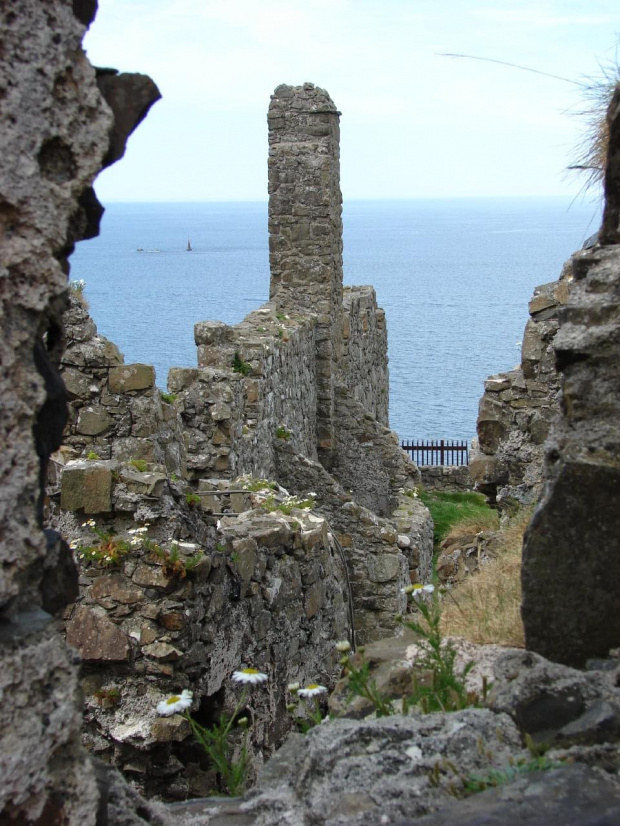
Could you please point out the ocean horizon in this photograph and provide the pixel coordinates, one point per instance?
(453, 275)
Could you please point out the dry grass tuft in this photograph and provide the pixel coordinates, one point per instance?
(591, 152)
(482, 521)
(486, 608)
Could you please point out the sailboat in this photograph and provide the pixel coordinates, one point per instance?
(189, 246)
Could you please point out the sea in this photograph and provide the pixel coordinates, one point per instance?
(454, 278)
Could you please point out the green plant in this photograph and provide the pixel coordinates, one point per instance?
(253, 485)
(109, 550)
(192, 499)
(140, 465)
(287, 505)
(173, 564)
(169, 398)
(108, 697)
(441, 689)
(281, 316)
(498, 777)
(92, 456)
(283, 433)
(280, 332)
(217, 741)
(360, 684)
(240, 366)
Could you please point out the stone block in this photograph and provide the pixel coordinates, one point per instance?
(245, 557)
(93, 420)
(180, 378)
(212, 333)
(572, 547)
(97, 638)
(130, 377)
(385, 567)
(87, 485)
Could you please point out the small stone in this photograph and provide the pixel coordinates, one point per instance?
(172, 729)
(96, 638)
(162, 651)
(150, 576)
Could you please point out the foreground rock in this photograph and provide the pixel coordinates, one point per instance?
(400, 769)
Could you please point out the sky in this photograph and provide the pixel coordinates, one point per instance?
(414, 124)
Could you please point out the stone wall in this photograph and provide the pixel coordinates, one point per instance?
(455, 478)
(518, 407)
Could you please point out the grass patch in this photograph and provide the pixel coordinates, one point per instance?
(486, 607)
(448, 509)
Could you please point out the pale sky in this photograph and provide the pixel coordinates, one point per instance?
(414, 124)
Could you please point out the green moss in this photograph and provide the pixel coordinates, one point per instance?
(140, 465)
(169, 398)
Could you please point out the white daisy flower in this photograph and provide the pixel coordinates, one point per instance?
(89, 524)
(312, 690)
(74, 545)
(249, 675)
(417, 589)
(293, 688)
(343, 646)
(137, 530)
(175, 703)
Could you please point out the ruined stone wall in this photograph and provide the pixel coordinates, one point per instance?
(518, 407)
(446, 477)
(267, 591)
(305, 229)
(115, 410)
(363, 368)
(231, 417)
(382, 555)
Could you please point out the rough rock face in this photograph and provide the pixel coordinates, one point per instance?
(572, 547)
(518, 407)
(54, 137)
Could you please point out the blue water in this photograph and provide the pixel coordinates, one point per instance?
(454, 277)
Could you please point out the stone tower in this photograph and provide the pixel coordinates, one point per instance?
(305, 229)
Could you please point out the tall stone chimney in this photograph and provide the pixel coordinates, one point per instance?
(305, 229)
